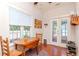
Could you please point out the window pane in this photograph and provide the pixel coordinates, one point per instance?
(54, 39)
(54, 32)
(27, 28)
(14, 27)
(63, 34)
(10, 35)
(63, 31)
(17, 33)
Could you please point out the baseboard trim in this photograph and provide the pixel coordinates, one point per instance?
(57, 46)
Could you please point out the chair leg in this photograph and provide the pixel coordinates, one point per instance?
(37, 50)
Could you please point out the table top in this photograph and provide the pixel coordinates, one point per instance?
(24, 41)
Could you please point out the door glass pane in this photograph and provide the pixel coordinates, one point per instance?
(63, 31)
(54, 31)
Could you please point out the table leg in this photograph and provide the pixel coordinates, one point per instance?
(22, 48)
(37, 50)
(15, 46)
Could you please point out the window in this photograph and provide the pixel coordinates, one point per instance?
(63, 31)
(54, 32)
(26, 31)
(14, 32)
(21, 24)
(18, 32)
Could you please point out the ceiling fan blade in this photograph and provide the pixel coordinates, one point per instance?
(35, 3)
(49, 2)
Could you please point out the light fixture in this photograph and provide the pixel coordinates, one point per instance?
(75, 17)
(35, 3)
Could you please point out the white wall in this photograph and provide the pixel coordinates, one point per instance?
(65, 10)
(4, 16)
(46, 17)
(77, 31)
(4, 21)
(30, 10)
(19, 18)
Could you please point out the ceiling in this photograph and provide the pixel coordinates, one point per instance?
(45, 6)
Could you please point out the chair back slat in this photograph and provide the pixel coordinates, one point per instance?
(39, 36)
(5, 47)
(4, 41)
(1, 44)
(5, 53)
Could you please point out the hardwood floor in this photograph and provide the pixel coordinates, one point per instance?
(54, 50)
(48, 50)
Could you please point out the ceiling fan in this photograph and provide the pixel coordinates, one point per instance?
(35, 3)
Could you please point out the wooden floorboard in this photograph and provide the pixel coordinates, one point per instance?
(54, 50)
(50, 50)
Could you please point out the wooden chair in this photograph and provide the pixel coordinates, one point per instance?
(34, 44)
(6, 51)
(39, 36)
